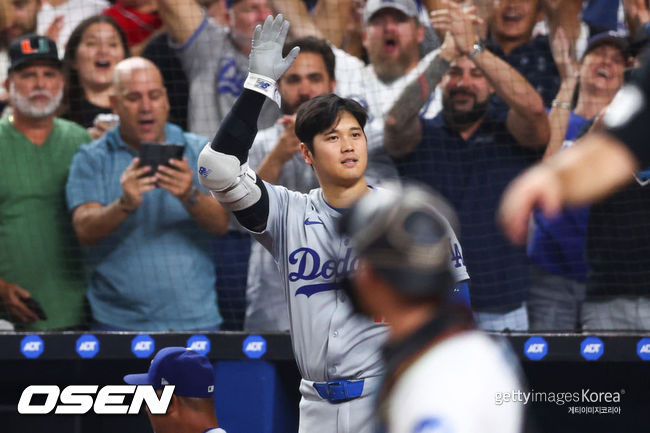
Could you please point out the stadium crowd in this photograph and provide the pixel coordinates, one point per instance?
(461, 96)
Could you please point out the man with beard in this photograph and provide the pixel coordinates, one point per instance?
(469, 153)
(39, 257)
(22, 22)
(392, 35)
(276, 156)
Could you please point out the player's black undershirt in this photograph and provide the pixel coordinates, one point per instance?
(235, 137)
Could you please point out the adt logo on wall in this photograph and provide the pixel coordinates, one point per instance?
(592, 348)
(32, 346)
(535, 348)
(142, 346)
(87, 346)
(643, 349)
(254, 346)
(199, 344)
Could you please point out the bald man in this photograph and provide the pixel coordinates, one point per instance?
(146, 226)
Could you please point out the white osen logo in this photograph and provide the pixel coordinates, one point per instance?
(80, 399)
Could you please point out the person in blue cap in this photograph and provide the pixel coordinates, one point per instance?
(191, 409)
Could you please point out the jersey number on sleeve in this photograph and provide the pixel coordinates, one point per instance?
(456, 255)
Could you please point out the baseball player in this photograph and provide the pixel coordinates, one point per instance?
(442, 375)
(337, 352)
(191, 409)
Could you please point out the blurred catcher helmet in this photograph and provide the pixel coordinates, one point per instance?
(403, 233)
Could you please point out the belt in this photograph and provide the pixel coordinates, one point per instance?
(339, 391)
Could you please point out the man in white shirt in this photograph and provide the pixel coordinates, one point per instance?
(392, 35)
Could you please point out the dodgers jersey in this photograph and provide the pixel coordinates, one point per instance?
(329, 340)
(266, 306)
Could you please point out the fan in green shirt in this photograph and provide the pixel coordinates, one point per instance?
(39, 254)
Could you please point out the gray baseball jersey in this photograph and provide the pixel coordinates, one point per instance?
(266, 305)
(329, 340)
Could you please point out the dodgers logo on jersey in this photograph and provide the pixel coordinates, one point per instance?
(310, 268)
(535, 348)
(87, 346)
(456, 255)
(254, 346)
(229, 79)
(643, 349)
(199, 343)
(143, 346)
(592, 348)
(32, 346)
(205, 172)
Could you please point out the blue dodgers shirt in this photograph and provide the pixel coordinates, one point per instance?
(155, 271)
(472, 175)
(558, 244)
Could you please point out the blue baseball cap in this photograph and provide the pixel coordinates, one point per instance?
(191, 372)
(612, 38)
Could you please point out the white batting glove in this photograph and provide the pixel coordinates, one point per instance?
(266, 64)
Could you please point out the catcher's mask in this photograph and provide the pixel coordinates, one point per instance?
(403, 234)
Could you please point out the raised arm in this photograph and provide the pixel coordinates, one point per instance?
(402, 127)
(223, 164)
(527, 120)
(181, 18)
(296, 12)
(637, 15)
(7, 12)
(560, 112)
(566, 178)
(327, 21)
(565, 15)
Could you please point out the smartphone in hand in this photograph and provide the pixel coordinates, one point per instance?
(155, 154)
